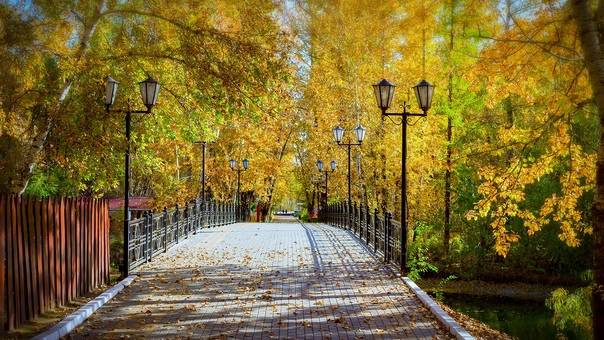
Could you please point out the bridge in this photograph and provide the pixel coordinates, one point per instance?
(267, 280)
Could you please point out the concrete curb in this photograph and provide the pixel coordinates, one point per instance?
(441, 315)
(76, 318)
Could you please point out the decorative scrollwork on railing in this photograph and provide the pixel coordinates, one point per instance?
(155, 233)
(379, 231)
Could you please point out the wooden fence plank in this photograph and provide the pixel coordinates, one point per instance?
(29, 246)
(10, 246)
(19, 276)
(74, 248)
(22, 264)
(79, 246)
(58, 211)
(3, 257)
(62, 251)
(45, 255)
(68, 248)
(39, 251)
(94, 237)
(50, 245)
(106, 227)
(87, 251)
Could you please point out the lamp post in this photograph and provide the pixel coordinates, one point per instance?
(384, 93)
(202, 177)
(332, 166)
(338, 134)
(316, 181)
(149, 89)
(233, 164)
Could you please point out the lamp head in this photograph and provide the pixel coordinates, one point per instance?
(384, 93)
(110, 91)
(359, 131)
(149, 92)
(423, 93)
(338, 134)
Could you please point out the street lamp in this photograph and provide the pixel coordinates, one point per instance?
(315, 181)
(202, 177)
(332, 166)
(338, 135)
(384, 93)
(233, 164)
(149, 89)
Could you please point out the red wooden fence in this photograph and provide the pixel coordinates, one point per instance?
(51, 251)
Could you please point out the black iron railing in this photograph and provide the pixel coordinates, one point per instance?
(378, 231)
(155, 233)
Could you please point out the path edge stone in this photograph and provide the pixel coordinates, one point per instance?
(455, 328)
(76, 318)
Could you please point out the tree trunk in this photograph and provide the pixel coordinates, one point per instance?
(447, 221)
(590, 42)
(447, 224)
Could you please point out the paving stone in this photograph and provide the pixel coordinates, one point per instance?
(263, 281)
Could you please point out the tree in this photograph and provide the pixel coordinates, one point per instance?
(591, 31)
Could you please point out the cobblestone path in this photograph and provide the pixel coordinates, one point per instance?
(262, 281)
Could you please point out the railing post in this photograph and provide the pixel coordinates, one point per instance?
(186, 219)
(221, 213)
(205, 220)
(176, 218)
(165, 220)
(150, 236)
(349, 216)
(210, 214)
(200, 214)
(375, 221)
(342, 215)
(144, 246)
(355, 218)
(367, 223)
(361, 217)
(344, 209)
(195, 215)
(387, 227)
(214, 215)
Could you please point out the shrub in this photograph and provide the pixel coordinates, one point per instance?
(572, 311)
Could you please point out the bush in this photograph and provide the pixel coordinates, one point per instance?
(418, 262)
(572, 311)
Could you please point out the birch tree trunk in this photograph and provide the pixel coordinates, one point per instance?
(18, 158)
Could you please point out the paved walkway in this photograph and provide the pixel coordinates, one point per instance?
(279, 280)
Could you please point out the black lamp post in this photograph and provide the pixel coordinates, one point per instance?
(316, 181)
(384, 93)
(233, 164)
(332, 166)
(338, 134)
(149, 90)
(202, 177)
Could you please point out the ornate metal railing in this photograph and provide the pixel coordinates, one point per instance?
(377, 230)
(155, 233)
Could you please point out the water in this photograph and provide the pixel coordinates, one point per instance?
(521, 319)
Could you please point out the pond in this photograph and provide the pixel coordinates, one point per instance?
(521, 319)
